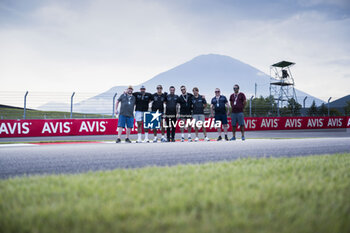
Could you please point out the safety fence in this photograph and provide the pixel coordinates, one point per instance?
(88, 105)
(71, 127)
(56, 105)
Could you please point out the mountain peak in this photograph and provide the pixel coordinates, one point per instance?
(212, 57)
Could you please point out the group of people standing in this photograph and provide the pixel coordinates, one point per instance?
(183, 107)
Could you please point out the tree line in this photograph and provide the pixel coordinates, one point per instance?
(267, 106)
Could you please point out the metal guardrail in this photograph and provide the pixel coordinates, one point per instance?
(95, 105)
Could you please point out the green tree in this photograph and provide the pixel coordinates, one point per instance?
(322, 110)
(261, 106)
(347, 108)
(294, 107)
(334, 112)
(313, 109)
(284, 111)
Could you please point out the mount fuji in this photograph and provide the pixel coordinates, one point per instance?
(205, 72)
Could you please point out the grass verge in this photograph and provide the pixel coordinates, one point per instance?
(303, 194)
(13, 113)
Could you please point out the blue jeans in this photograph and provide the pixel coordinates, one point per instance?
(124, 120)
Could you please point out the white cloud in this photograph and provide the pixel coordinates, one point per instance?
(309, 39)
(105, 43)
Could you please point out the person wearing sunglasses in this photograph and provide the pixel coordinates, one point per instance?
(185, 102)
(219, 105)
(143, 99)
(199, 103)
(159, 99)
(170, 113)
(238, 102)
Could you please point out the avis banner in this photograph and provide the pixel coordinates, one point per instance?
(70, 127)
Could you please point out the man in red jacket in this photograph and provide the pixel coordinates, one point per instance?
(238, 101)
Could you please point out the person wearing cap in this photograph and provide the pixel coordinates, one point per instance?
(199, 103)
(126, 113)
(159, 99)
(219, 105)
(143, 99)
(238, 102)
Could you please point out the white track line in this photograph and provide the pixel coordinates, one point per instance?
(17, 145)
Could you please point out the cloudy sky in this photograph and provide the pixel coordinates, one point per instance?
(91, 46)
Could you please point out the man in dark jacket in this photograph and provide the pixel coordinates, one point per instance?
(170, 111)
(185, 101)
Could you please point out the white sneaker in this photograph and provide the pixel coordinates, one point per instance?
(196, 139)
(155, 140)
(207, 139)
(139, 141)
(146, 141)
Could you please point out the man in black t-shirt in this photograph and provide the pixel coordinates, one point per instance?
(185, 101)
(199, 103)
(170, 110)
(143, 99)
(159, 99)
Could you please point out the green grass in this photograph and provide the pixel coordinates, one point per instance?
(12, 113)
(303, 194)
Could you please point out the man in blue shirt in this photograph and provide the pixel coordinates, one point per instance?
(220, 106)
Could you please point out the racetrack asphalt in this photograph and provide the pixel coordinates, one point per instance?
(314, 133)
(32, 159)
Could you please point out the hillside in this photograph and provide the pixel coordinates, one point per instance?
(10, 112)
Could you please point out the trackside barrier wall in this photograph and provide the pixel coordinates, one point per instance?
(71, 127)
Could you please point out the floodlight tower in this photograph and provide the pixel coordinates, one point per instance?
(282, 83)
